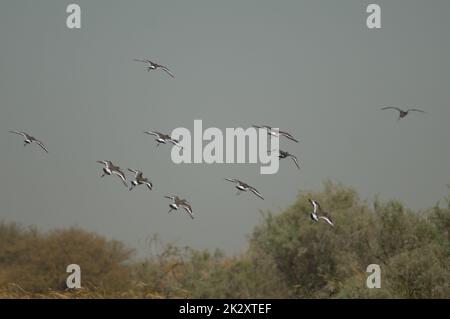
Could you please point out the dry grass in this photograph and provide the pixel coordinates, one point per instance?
(14, 291)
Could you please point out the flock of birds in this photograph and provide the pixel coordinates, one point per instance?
(178, 202)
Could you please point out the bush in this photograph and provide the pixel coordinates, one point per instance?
(289, 256)
(37, 262)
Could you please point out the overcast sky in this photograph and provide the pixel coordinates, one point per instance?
(309, 67)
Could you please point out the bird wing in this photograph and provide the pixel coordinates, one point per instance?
(121, 175)
(19, 133)
(416, 110)
(327, 219)
(255, 191)
(187, 208)
(184, 201)
(294, 158)
(143, 60)
(232, 180)
(289, 136)
(166, 69)
(175, 142)
(316, 205)
(149, 185)
(40, 144)
(135, 171)
(391, 108)
(170, 197)
(157, 134)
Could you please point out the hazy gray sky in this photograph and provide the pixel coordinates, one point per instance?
(309, 67)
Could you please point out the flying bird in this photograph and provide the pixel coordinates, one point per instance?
(111, 169)
(402, 113)
(30, 139)
(318, 213)
(243, 187)
(154, 66)
(282, 154)
(177, 202)
(139, 179)
(163, 138)
(276, 132)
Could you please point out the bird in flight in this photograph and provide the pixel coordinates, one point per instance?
(402, 113)
(154, 66)
(111, 169)
(163, 138)
(139, 179)
(177, 202)
(282, 154)
(276, 132)
(318, 213)
(243, 187)
(30, 139)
